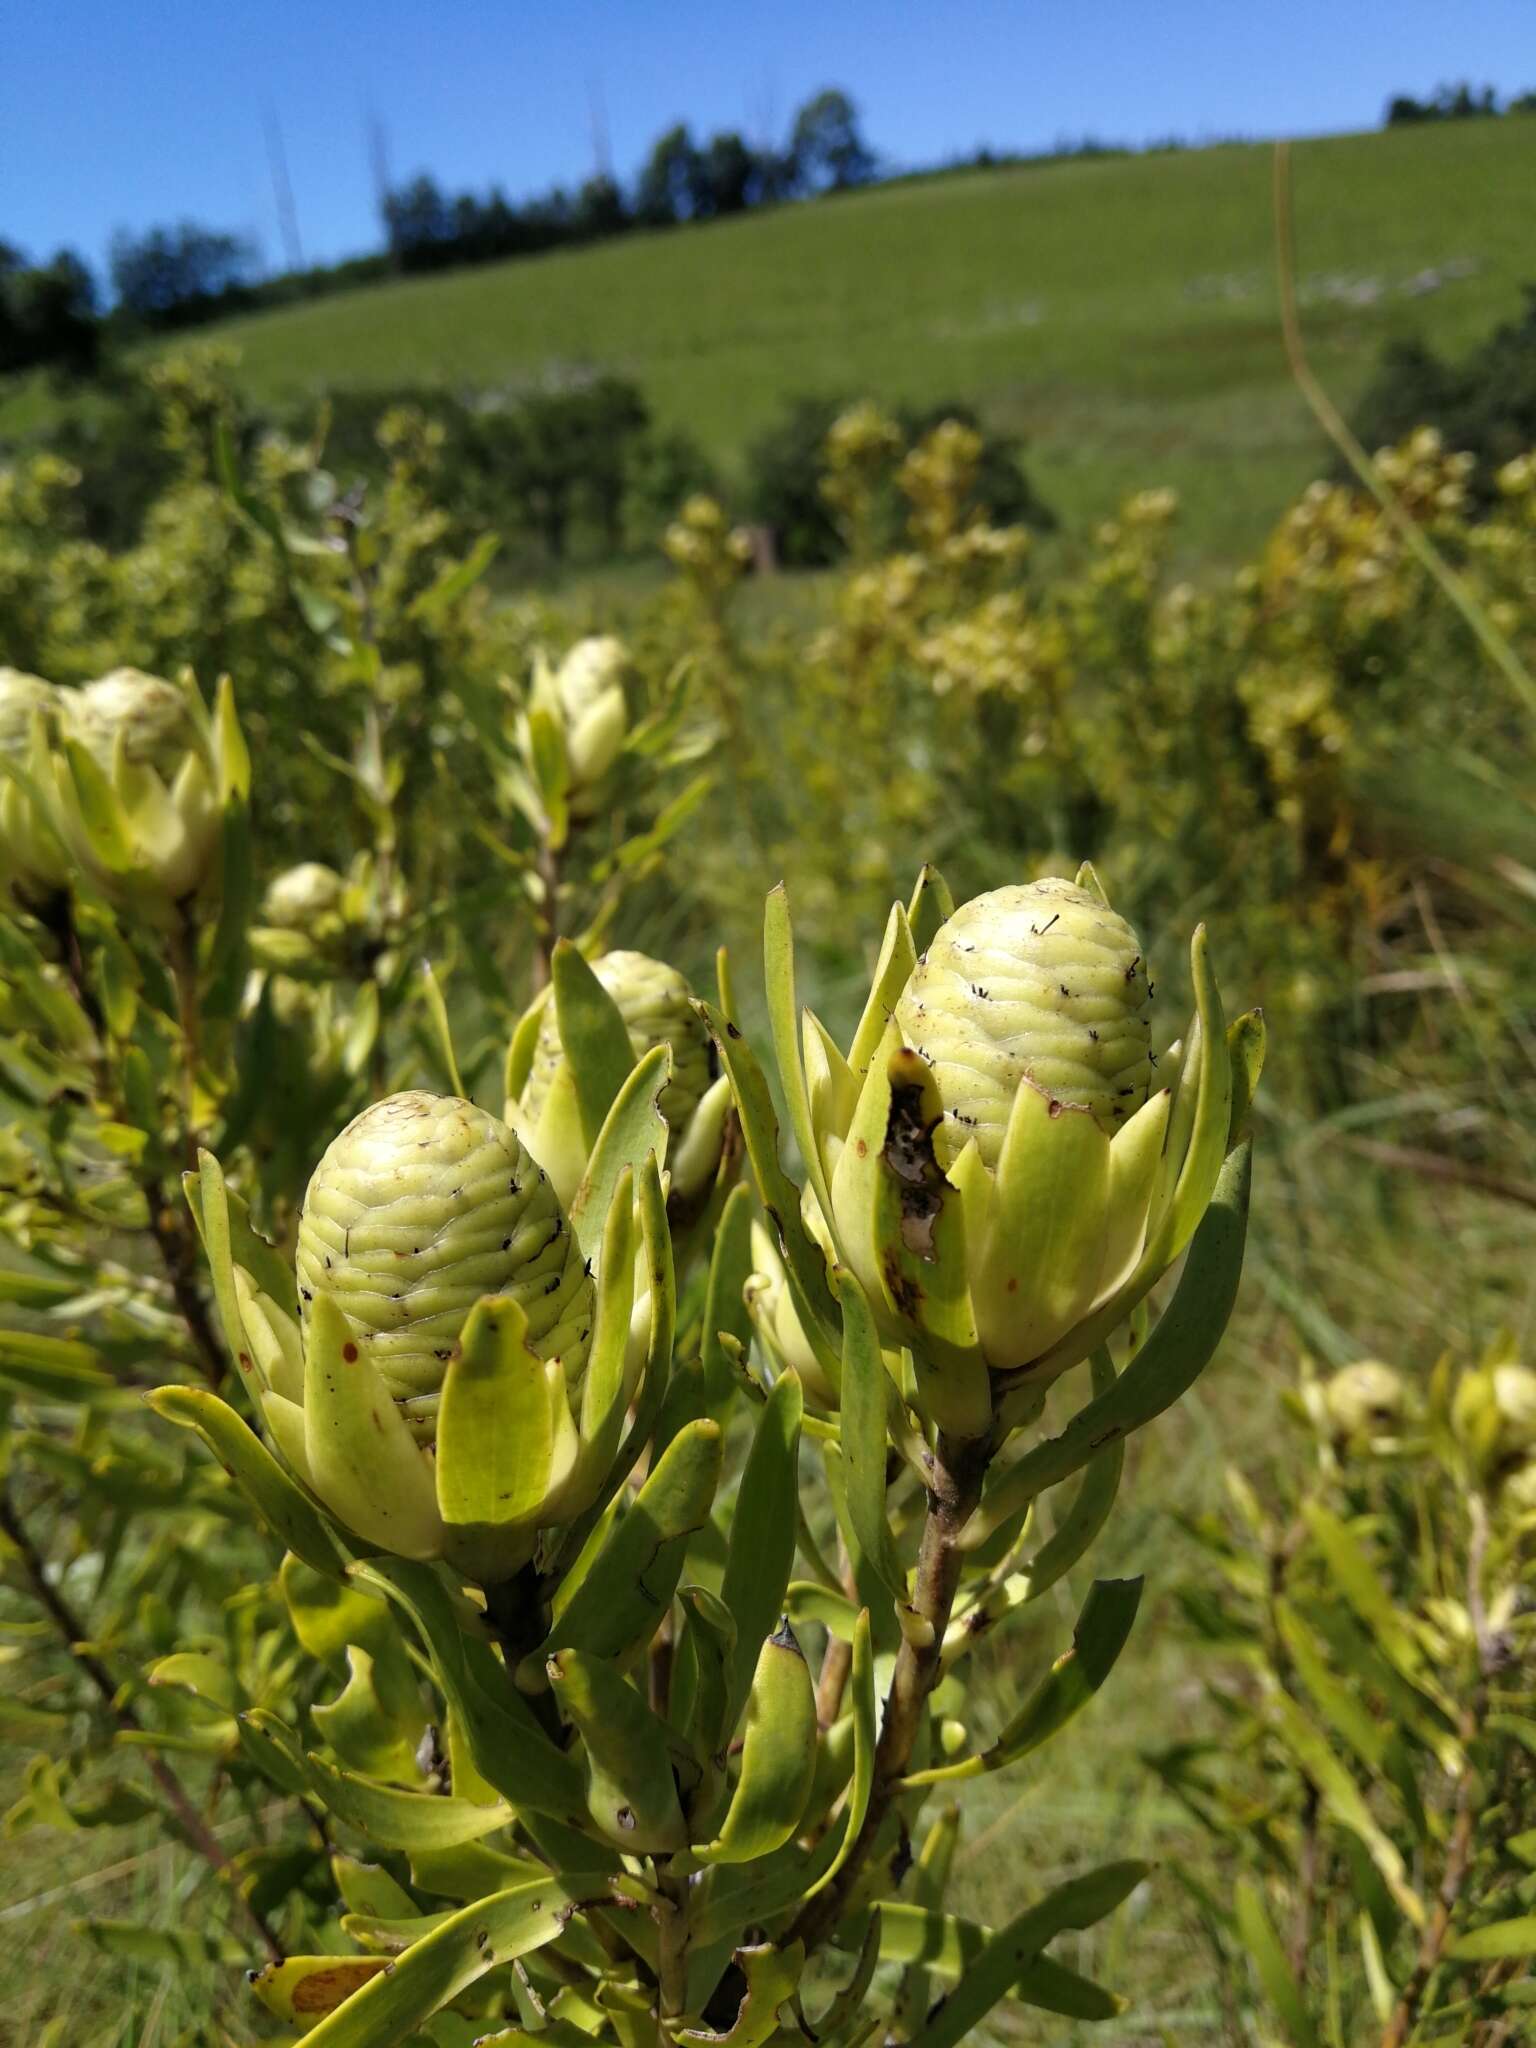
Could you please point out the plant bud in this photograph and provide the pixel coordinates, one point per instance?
(656, 1004)
(30, 853)
(142, 783)
(1040, 983)
(150, 716)
(1365, 1399)
(300, 896)
(590, 686)
(423, 1204)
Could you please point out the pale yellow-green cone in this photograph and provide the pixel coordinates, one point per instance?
(1042, 983)
(141, 781)
(1493, 1413)
(423, 1204)
(655, 1004)
(32, 857)
(583, 699)
(298, 898)
(1007, 1172)
(1365, 1399)
(147, 716)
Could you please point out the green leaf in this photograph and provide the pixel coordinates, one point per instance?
(865, 1401)
(628, 1589)
(495, 1441)
(725, 1309)
(861, 1704)
(1280, 1987)
(1165, 1367)
(440, 1967)
(593, 1035)
(510, 1750)
(633, 1130)
(632, 1782)
(1498, 1941)
(403, 1820)
(1015, 1949)
(1103, 1628)
(803, 1257)
(52, 1368)
(441, 1031)
(784, 1023)
(283, 1508)
(762, 1545)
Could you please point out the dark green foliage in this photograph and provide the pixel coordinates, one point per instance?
(785, 467)
(1484, 404)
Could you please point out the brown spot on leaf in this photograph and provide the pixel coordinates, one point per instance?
(349, 1353)
(909, 1158)
(324, 1990)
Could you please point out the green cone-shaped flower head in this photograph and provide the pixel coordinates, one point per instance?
(149, 718)
(1493, 1412)
(1041, 983)
(32, 859)
(423, 1204)
(141, 784)
(583, 698)
(656, 1004)
(652, 1004)
(1365, 1399)
(1000, 1161)
(298, 898)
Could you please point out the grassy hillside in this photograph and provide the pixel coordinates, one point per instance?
(1121, 313)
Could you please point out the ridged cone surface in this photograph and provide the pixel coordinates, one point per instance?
(423, 1204)
(1037, 982)
(20, 696)
(655, 1002)
(152, 714)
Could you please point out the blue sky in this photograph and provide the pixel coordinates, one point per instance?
(116, 115)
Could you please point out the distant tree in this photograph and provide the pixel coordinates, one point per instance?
(1461, 102)
(599, 209)
(169, 274)
(418, 220)
(1523, 103)
(1485, 403)
(826, 145)
(727, 176)
(667, 189)
(48, 314)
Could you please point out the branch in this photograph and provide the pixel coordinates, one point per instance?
(199, 1835)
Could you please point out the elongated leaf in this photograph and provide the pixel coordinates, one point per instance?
(403, 1820)
(803, 1257)
(762, 1546)
(1499, 1940)
(634, 1129)
(488, 1933)
(865, 1398)
(861, 1704)
(725, 1308)
(282, 1507)
(1016, 1948)
(1280, 1987)
(593, 1035)
(1102, 1631)
(628, 1590)
(510, 1750)
(784, 1023)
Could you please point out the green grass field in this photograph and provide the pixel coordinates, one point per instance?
(1120, 313)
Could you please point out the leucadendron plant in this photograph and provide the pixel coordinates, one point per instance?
(1362, 1618)
(641, 1633)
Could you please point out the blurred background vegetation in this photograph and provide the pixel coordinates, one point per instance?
(971, 517)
